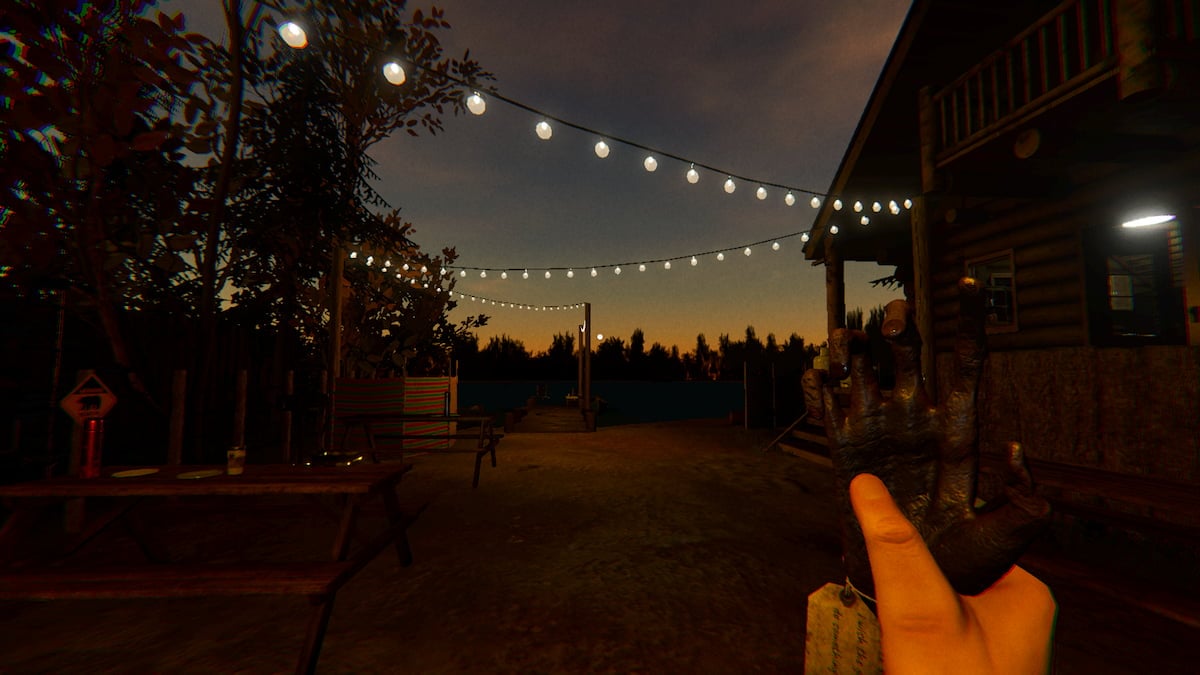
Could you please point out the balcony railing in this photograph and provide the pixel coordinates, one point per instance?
(1067, 50)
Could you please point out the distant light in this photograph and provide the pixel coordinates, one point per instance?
(476, 104)
(370, 259)
(463, 274)
(815, 203)
(394, 73)
(833, 229)
(729, 185)
(504, 275)
(642, 267)
(599, 336)
(1149, 220)
(694, 261)
(667, 265)
(617, 270)
(525, 274)
(570, 274)
(482, 274)
(544, 130)
(693, 176)
(293, 35)
(858, 207)
(720, 257)
(837, 205)
(804, 237)
(353, 255)
(601, 149)
(865, 220)
(594, 272)
(746, 252)
(761, 193)
(651, 164)
(908, 203)
(775, 246)
(789, 199)
(547, 274)
(876, 207)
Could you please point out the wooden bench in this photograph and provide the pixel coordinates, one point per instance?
(486, 438)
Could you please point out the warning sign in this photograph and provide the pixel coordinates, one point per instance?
(89, 399)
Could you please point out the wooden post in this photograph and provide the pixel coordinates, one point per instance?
(585, 394)
(178, 417)
(1139, 66)
(835, 287)
(1191, 264)
(922, 265)
(285, 438)
(335, 331)
(239, 410)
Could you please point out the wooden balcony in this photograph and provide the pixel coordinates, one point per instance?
(1070, 50)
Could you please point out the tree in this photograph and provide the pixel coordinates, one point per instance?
(609, 362)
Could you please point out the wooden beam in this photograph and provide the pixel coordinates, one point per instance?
(835, 288)
(921, 254)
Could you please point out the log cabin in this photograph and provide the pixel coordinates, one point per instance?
(1027, 139)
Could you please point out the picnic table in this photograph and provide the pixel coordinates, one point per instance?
(399, 429)
(163, 577)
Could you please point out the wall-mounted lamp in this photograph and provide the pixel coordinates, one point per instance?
(1147, 221)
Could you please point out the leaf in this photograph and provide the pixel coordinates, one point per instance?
(179, 242)
(150, 140)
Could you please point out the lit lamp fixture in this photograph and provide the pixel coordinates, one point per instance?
(667, 265)
(543, 130)
(815, 203)
(594, 272)
(617, 270)
(746, 252)
(694, 261)
(775, 246)
(693, 176)
(476, 104)
(761, 193)
(729, 185)
(876, 207)
(651, 164)
(601, 149)
(394, 73)
(1147, 221)
(720, 257)
(833, 229)
(463, 274)
(642, 267)
(804, 237)
(293, 35)
(837, 205)
(789, 199)
(570, 274)
(504, 275)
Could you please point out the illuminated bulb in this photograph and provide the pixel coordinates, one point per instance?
(804, 237)
(525, 274)
(894, 207)
(570, 274)
(667, 265)
(370, 259)
(761, 193)
(1147, 221)
(833, 229)
(387, 263)
(789, 199)
(482, 274)
(729, 186)
(858, 207)
(642, 267)
(815, 203)
(504, 275)
(293, 35)
(463, 274)
(353, 255)
(694, 261)
(908, 203)
(394, 73)
(594, 273)
(424, 269)
(837, 205)
(876, 207)
(599, 336)
(720, 257)
(651, 164)
(476, 104)
(693, 176)
(775, 246)
(601, 149)
(399, 275)
(404, 267)
(543, 130)
(547, 274)
(746, 252)
(617, 270)
(865, 220)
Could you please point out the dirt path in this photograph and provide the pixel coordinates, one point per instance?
(656, 548)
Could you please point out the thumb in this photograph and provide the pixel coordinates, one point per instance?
(913, 595)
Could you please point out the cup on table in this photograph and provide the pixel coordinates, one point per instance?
(236, 460)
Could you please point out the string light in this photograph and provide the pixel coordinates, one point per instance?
(394, 73)
(721, 256)
(651, 164)
(667, 265)
(508, 304)
(729, 185)
(694, 261)
(815, 203)
(833, 229)
(544, 130)
(837, 205)
(804, 237)
(293, 35)
(858, 207)
(476, 104)
(642, 267)
(353, 255)
(601, 149)
(908, 203)
(746, 252)
(594, 273)
(570, 274)
(865, 220)
(693, 176)
(775, 246)
(789, 199)
(617, 270)
(761, 193)
(876, 207)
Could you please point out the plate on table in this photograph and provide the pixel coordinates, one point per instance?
(204, 473)
(133, 473)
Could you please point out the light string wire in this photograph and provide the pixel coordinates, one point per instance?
(515, 305)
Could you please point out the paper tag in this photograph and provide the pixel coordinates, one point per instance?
(841, 639)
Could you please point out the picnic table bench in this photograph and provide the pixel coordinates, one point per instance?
(398, 429)
(319, 580)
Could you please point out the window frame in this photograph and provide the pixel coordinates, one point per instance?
(977, 261)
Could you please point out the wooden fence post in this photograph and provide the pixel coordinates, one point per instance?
(285, 440)
(178, 408)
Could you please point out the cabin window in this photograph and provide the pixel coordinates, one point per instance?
(996, 273)
(1135, 286)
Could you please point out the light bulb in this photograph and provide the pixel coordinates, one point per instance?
(570, 274)
(804, 237)
(775, 246)
(693, 176)
(815, 203)
(482, 274)
(720, 257)
(746, 252)
(525, 274)
(404, 267)
(476, 104)
(651, 164)
(463, 274)
(547, 274)
(833, 229)
(293, 35)
(370, 259)
(424, 269)
(694, 261)
(544, 131)
(789, 199)
(876, 207)
(865, 220)
(601, 149)
(761, 193)
(353, 255)
(837, 205)
(599, 336)
(667, 265)
(394, 73)
(387, 263)
(617, 270)
(642, 267)
(504, 275)
(594, 272)
(858, 207)
(729, 186)
(399, 275)
(908, 203)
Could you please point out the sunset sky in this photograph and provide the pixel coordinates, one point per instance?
(769, 89)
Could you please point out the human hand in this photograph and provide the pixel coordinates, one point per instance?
(925, 627)
(926, 454)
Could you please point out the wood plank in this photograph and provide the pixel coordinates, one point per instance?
(173, 581)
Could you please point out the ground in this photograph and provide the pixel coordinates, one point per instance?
(655, 548)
